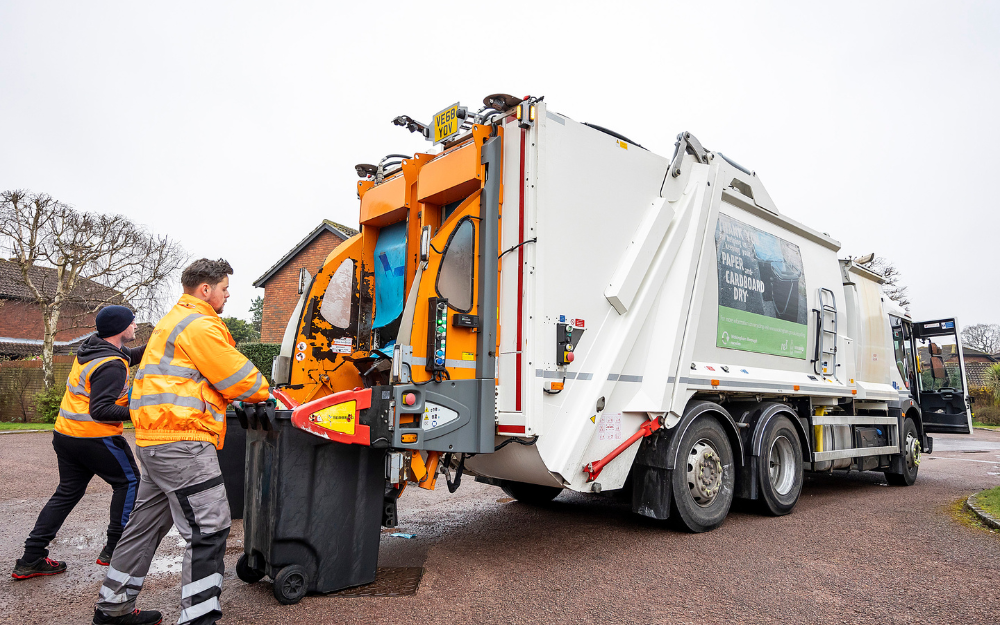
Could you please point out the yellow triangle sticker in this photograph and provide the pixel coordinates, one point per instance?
(593, 419)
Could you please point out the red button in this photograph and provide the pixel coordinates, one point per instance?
(409, 399)
(568, 357)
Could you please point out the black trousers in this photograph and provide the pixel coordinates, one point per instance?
(80, 459)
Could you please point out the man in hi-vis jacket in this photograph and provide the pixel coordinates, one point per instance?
(190, 371)
(88, 440)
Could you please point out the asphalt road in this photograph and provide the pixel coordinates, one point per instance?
(853, 551)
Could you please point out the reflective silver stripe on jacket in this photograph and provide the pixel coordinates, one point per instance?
(80, 387)
(176, 371)
(235, 378)
(258, 381)
(75, 416)
(173, 399)
(170, 346)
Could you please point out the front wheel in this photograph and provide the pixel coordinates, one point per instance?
(703, 476)
(291, 584)
(779, 467)
(911, 456)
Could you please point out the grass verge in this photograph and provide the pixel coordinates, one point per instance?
(985, 426)
(26, 426)
(962, 515)
(4, 426)
(989, 500)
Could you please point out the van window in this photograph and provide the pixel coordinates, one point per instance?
(454, 279)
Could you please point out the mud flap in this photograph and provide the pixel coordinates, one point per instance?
(651, 478)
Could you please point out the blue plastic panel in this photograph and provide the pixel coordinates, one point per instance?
(390, 273)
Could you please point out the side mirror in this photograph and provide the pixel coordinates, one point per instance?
(425, 244)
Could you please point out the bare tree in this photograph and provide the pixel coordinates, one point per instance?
(892, 286)
(85, 259)
(982, 336)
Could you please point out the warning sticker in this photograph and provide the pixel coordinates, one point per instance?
(609, 428)
(339, 417)
(342, 346)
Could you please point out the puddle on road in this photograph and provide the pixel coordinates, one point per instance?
(166, 564)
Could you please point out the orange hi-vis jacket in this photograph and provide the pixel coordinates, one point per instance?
(74, 412)
(191, 370)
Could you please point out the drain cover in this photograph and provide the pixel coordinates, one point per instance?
(389, 582)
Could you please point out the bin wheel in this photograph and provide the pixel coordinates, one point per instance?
(245, 573)
(290, 584)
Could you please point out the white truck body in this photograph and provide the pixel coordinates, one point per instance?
(643, 257)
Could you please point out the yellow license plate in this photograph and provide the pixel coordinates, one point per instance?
(446, 123)
(339, 417)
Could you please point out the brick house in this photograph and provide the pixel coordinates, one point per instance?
(21, 329)
(281, 281)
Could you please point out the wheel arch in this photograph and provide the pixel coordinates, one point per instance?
(654, 463)
(695, 409)
(770, 411)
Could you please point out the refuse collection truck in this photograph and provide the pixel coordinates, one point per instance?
(546, 305)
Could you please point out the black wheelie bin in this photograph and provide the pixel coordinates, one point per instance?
(312, 508)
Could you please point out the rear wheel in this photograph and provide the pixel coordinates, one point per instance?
(534, 494)
(245, 573)
(779, 467)
(911, 456)
(703, 476)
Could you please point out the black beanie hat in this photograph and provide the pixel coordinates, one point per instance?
(113, 320)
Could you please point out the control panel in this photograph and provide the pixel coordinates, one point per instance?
(567, 337)
(437, 333)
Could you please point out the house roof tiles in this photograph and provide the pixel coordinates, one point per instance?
(340, 230)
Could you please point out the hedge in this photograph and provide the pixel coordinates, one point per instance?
(261, 355)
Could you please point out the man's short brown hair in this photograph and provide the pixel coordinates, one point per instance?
(205, 271)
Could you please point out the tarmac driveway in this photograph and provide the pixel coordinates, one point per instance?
(854, 551)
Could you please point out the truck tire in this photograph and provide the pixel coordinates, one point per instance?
(533, 494)
(290, 584)
(911, 456)
(779, 467)
(703, 476)
(245, 573)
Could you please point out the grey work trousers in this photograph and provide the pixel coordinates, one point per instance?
(181, 485)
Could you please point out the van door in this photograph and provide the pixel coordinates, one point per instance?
(944, 403)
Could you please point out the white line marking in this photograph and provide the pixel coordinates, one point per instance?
(964, 459)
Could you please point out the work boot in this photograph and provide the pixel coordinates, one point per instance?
(105, 558)
(135, 617)
(41, 566)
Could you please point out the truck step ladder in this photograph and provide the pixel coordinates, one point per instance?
(825, 361)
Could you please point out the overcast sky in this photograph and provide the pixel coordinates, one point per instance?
(234, 127)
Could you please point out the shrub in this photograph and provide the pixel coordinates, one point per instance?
(987, 415)
(983, 397)
(47, 403)
(261, 355)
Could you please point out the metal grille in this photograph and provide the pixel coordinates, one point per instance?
(389, 582)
